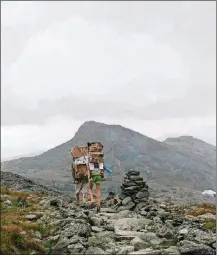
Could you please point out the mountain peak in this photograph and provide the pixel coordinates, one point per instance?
(164, 162)
(185, 139)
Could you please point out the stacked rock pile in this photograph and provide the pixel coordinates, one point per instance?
(134, 192)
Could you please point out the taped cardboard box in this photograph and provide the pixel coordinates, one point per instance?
(96, 160)
(81, 160)
(96, 157)
(81, 170)
(79, 151)
(95, 147)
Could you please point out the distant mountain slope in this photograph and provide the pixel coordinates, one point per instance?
(124, 149)
(19, 183)
(194, 146)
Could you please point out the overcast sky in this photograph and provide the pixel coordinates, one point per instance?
(149, 66)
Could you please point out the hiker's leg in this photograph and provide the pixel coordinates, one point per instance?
(91, 192)
(84, 191)
(77, 192)
(98, 194)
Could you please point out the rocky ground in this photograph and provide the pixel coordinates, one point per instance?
(132, 223)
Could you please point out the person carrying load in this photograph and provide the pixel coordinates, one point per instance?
(80, 171)
(96, 167)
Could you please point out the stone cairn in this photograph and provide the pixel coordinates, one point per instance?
(134, 195)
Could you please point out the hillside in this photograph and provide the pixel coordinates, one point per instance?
(131, 223)
(22, 184)
(160, 162)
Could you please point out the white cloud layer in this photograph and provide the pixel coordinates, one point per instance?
(152, 64)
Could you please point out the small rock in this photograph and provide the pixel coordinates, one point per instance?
(207, 216)
(172, 250)
(142, 194)
(183, 231)
(38, 235)
(96, 221)
(95, 251)
(96, 229)
(147, 251)
(187, 247)
(74, 239)
(8, 203)
(76, 247)
(125, 250)
(31, 217)
(133, 172)
(139, 244)
(126, 201)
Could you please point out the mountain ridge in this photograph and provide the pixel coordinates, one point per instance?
(124, 149)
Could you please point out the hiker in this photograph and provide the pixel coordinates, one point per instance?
(96, 177)
(81, 182)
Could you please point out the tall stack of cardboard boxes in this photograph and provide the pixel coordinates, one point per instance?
(88, 158)
(80, 160)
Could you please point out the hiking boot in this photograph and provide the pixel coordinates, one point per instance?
(77, 200)
(92, 205)
(98, 209)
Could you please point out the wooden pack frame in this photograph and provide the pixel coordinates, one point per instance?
(79, 151)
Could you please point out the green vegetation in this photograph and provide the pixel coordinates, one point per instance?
(201, 209)
(210, 224)
(17, 233)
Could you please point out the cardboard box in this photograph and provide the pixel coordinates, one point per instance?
(96, 157)
(79, 151)
(97, 147)
(81, 171)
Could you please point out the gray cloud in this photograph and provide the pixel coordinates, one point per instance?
(114, 60)
(189, 105)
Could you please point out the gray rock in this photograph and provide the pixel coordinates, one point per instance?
(140, 200)
(143, 213)
(187, 247)
(95, 250)
(126, 201)
(163, 231)
(61, 246)
(7, 202)
(183, 231)
(202, 237)
(125, 250)
(173, 250)
(38, 235)
(74, 239)
(135, 178)
(31, 217)
(147, 251)
(142, 194)
(129, 206)
(207, 216)
(102, 240)
(75, 248)
(81, 229)
(131, 189)
(96, 221)
(133, 172)
(157, 220)
(135, 224)
(96, 229)
(139, 244)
